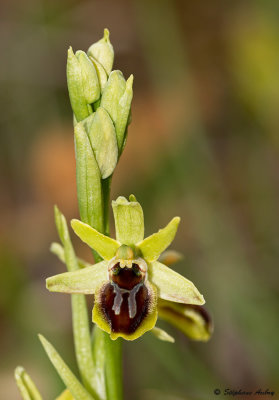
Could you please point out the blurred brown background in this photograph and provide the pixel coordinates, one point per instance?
(203, 144)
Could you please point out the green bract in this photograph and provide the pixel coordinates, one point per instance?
(129, 282)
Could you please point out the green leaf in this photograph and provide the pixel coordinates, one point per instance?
(194, 321)
(90, 81)
(90, 198)
(162, 335)
(103, 52)
(104, 245)
(123, 113)
(102, 136)
(67, 376)
(129, 221)
(84, 281)
(58, 250)
(75, 87)
(152, 246)
(173, 286)
(99, 358)
(26, 386)
(81, 329)
(62, 228)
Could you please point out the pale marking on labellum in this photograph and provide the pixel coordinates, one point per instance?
(118, 300)
(132, 305)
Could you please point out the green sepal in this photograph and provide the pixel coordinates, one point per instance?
(152, 246)
(91, 86)
(75, 87)
(26, 386)
(123, 113)
(193, 321)
(84, 281)
(67, 376)
(103, 52)
(101, 73)
(129, 221)
(105, 246)
(101, 132)
(173, 286)
(162, 335)
(89, 188)
(59, 251)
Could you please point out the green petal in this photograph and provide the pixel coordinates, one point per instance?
(193, 321)
(162, 335)
(69, 379)
(26, 386)
(152, 246)
(129, 222)
(173, 286)
(102, 136)
(104, 245)
(84, 281)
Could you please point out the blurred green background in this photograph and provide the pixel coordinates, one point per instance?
(203, 144)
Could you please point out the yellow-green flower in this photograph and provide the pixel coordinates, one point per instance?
(130, 282)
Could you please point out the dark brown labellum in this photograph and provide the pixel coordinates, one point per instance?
(125, 300)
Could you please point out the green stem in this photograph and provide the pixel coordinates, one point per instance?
(113, 368)
(113, 349)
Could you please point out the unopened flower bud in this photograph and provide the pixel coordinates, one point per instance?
(90, 80)
(83, 83)
(101, 133)
(116, 99)
(102, 51)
